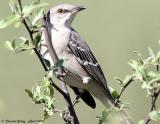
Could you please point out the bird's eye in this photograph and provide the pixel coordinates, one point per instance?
(60, 11)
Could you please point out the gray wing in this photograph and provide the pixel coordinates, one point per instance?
(86, 58)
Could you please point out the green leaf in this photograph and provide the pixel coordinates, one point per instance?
(38, 16)
(139, 69)
(105, 114)
(51, 90)
(151, 53)
(115, 94)
(46, 81)
(11, 3)
(23, 39)
(36, 1)
(133, 64)
(8, 21)
(141, 122)
(22, 44)
(152, 74)
(27, 10)
(29, 93)
(45, 116)
(36, 90)
(155, 115)
(9, 45)
(14, 6)
(158, 57)
(37, 40)
(17, 24)
(14, 44)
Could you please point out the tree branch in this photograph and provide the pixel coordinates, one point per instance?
(124, 87)
(153, 104)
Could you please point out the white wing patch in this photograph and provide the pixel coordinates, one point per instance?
(83, 62)
(86, 80)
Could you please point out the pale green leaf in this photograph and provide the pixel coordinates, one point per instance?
(139, 69)
(105, 114)
(158, 56)
(155, 115)
(27, 10)
(141, 122)
(17, 24)
(8, 21)
(46, 81)
(23, 39)
(38, 16)
(29, 93)
(11, 3)
(35, 2)
(8, 45)
(45, 116)
(151, 53)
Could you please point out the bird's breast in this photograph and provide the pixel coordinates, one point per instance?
(60, 41)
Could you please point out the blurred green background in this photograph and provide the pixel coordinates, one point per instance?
(112, 28)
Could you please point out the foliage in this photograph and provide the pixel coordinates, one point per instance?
(155, 115)
(43, 94)
(144, 70)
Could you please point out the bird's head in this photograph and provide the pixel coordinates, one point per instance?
(63, 14)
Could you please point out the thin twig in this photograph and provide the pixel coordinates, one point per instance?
(20, 5)
(155, 96)
(124, 87)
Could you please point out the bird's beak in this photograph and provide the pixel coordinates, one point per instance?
(78, 9)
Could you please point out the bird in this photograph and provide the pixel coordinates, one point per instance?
(82, 70)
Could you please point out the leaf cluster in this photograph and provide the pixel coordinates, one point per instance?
(43, 93)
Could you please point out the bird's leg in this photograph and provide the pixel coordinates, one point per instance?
(77, 99)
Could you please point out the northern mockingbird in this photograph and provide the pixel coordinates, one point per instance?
(83, 73)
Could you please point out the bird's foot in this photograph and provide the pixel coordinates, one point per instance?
(76, 100)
